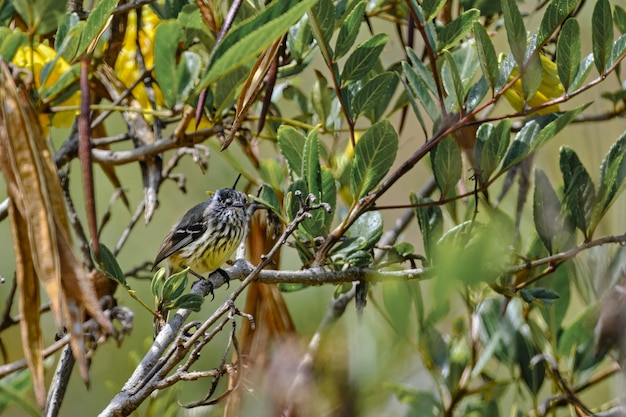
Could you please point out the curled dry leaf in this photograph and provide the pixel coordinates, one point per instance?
(41, 235)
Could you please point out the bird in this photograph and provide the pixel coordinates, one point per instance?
(207, 235)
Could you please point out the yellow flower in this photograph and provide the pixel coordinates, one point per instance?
(126, 65)
(34, 60)
(549, 89)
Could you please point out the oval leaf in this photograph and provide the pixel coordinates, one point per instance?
(373, 156)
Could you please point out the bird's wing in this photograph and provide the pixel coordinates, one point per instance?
(189, 228)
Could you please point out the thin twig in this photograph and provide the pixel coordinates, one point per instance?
(59, 383)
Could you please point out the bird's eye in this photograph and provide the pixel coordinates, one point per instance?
(228, 202)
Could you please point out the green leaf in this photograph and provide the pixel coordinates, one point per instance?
(373, 156)
(579, 193)
(321, 98)
(156, 284)
(14, 391)
(194, 27)
(69, 46)
(41, 16)
(272, 172)
(166, 39)
(292, 203)
(515, 31)
(549, 218)
(556, 12)
(311, 170)
(505, 70)
(447, 165)
(96, 21)
(541, 296)
(11, 43)
(578, 342)
(300, 39)
(174, 286)
(63, 31)
(422, 71)
(108, 265)
(369, 96)
(533, 72)
(486, 54)
(453, 32)
(452, 83)
(617, 51)
(364, 233)
(322, 21)
(476, 94)
(494, 325)
(191, 302)
(312, 174)
(291, 145)
(397, 301)
(363, 58)
(491, 145)
(583, 71)
(431, 8)
(611, 183)
(187, 74)
(349, 30)
(430, 221)
(533, 376)
(422, 403)
(269, 199)
(418, 89)
(568, 52)
(619, 17)
(246, 40)
(602, 34)
(225, 92)
(532, 136)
